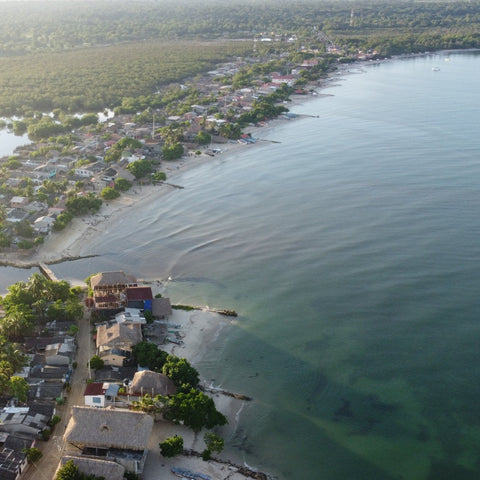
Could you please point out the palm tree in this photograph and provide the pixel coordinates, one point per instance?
(37, 285)
(150, 405)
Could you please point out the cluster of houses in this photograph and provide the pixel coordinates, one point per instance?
(97, 174)
(226, 106)
(94, 437)
(50, 370)
(39, 214)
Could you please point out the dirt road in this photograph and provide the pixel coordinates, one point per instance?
(52, 450)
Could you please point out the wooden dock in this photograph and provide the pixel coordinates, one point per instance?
(47, 272)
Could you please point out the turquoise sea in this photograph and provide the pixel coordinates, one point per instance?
(351, 252)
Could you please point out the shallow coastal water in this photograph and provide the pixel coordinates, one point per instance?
(351, 252)
(9, 141)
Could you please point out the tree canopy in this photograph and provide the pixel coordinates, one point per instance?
(195, 409)
(181, 372)
(172, 446)
(57, 57)
(26, 306)
(69, 471)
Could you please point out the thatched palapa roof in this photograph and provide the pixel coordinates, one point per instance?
(161, 307)
(100, 468)
(106, 279)
(152, 383)
(108, 428)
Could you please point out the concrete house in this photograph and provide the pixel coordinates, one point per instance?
(43, 224)
(13, 460)
(100, 395)
(59, 353)
(131, 315)
(19, 202)
(23, 421)
(115, 341)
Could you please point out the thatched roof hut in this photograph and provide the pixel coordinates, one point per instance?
(112, 279)
(106, 428)
(161, 307)
(90, 466)
(152, 383)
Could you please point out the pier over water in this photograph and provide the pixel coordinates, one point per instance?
(47, 272)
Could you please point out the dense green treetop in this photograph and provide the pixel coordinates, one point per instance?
(83, 56)
(27, 306)
(53, 26)
(172, 446)
(195, 409)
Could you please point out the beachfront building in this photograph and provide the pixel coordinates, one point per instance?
(43, 224)
(109, 290)
(101, 433)
(161, 308)
(139, 297)
(115, 342)
(151, 383)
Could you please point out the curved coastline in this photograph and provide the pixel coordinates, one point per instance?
(200, 328)
(134, 207)
(69, 244)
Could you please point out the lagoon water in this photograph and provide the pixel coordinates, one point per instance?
(351, 252)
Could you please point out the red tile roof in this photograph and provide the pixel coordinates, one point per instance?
(139, 293)
(94, 389)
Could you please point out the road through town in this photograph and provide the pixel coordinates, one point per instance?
(53, 449)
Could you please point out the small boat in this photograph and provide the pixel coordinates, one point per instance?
(435, 69)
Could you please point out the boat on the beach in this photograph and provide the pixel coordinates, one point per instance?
(183, 473)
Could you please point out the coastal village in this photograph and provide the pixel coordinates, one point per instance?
(86, 415)
(126, 150)
(77, 414)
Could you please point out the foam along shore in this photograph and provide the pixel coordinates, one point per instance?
(198, 330)
(71, 243)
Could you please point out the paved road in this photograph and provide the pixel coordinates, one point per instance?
(52, 450)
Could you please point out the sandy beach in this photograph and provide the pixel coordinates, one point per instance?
(198, 329)
(69, 242)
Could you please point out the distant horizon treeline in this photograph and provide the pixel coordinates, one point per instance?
(34, 26)
(84, 56)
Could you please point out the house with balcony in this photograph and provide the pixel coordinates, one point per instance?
(109, 290)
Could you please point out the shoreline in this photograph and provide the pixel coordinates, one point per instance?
(68, 244)
(198, 330)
